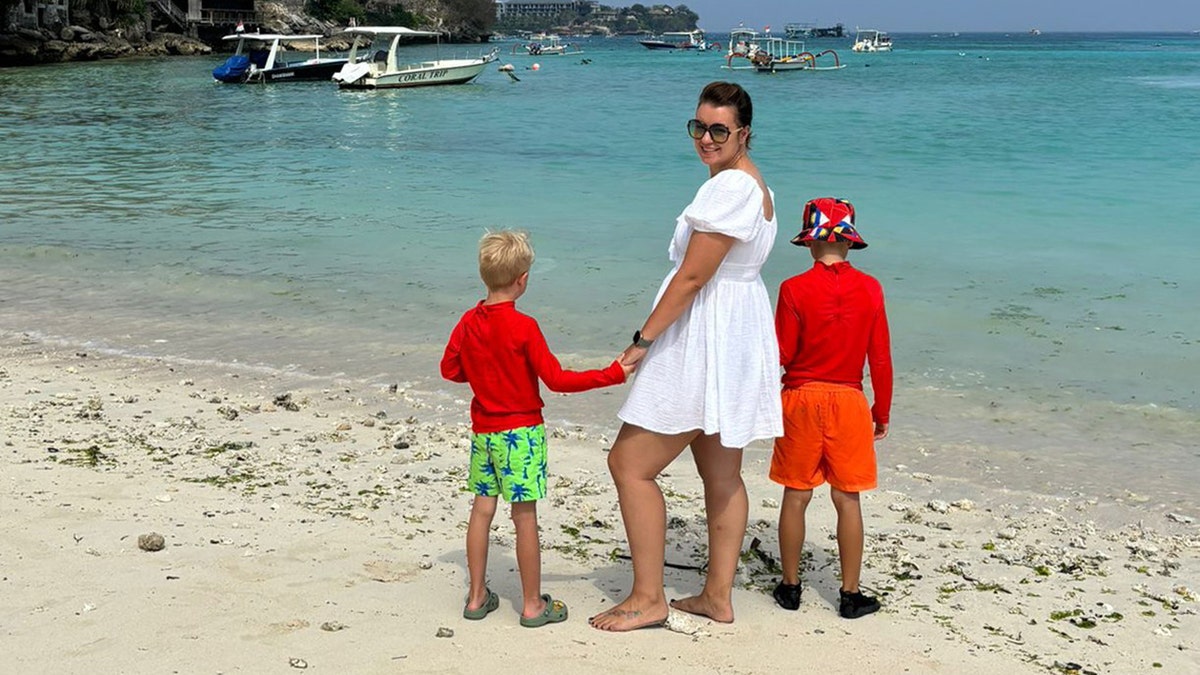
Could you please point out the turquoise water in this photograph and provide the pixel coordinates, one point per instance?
(1031, 205)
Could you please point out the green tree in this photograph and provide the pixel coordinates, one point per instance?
(474, 17)
(337, 11)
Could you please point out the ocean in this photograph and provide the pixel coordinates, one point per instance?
(1030, 201)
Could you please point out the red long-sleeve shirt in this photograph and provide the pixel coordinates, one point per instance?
(831, 320)
(502, 354)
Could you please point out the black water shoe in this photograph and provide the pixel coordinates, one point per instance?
(787, 596)
(854, 605)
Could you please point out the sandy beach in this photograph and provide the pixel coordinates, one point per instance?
(318, 526)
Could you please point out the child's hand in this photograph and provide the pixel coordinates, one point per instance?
(881, 431)
(628, 368)
(632, 355)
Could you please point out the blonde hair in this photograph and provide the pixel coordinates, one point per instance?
(504, 255)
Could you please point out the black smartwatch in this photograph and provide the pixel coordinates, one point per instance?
(641, 342)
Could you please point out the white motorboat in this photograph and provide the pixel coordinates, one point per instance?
(687, 39)
(868, 40)
(260, 57)
(546, 45)
(384, 71)
(743, 43)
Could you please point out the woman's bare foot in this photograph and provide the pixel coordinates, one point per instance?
(629, 616)
(702, 606)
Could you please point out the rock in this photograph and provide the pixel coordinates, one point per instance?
(444, 632)
(963, 504)
(770, 504)
(333, 626)
(938, 505)
(1007, 533)
(298, 663)
(678, 622)
(151, 542)
(1186, 520)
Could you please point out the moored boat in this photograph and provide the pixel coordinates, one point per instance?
(384, 71)
(869, 40)
(690, 39)
(260, 57)
(547, 45)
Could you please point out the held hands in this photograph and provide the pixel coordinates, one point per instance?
(627, 368)
(881, 431)
(631, 356)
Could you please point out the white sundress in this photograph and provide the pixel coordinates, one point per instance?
(716, 368)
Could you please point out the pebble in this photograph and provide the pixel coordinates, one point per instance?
(1186, 520)
(939, 506)
(770, 504)
(963, 504)
(333, 626)
(1007, 533)
(151, 542)
(444, 632)
(298, 663)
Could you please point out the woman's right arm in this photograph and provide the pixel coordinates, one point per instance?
(705, 252)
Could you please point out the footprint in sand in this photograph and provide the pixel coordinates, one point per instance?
(388, 571)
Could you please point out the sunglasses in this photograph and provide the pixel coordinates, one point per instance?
(718, 132)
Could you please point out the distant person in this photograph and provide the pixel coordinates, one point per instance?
(708, 369)
(502, 354)
(830, 321)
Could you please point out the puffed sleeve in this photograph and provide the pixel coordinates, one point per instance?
(729, 203)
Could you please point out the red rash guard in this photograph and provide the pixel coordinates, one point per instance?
(831, 320)
(502, 354)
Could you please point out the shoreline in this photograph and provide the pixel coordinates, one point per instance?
(309, 519)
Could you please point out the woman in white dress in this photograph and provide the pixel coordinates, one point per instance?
(708, 369)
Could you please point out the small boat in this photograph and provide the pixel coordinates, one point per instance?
(259, 57)
(743, 44)
(778, 55)
(867, 40)
(547, 45)
(689, 39)
(383, 71)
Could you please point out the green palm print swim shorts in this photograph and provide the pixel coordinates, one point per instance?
(511, 463)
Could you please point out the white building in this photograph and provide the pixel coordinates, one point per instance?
(541, 8)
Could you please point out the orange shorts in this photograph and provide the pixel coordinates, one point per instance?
(828, 436)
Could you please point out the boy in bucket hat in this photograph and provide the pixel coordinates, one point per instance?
(830, 320)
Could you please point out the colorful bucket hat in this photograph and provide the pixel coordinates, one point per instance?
(829, 219)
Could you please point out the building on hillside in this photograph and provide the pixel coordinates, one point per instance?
(542, 8)
(39, 14)
(221, 12)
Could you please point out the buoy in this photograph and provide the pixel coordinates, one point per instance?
(537, 66)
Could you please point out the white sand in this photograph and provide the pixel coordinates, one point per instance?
(305, 539)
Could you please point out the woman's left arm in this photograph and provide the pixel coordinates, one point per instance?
(705, 252)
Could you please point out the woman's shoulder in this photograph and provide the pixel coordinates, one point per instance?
(733, 178)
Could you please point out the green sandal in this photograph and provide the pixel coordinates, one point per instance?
(555, 612)
(490, 605)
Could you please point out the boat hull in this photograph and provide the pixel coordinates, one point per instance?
(659, 44)
(420, 75)
(304, 72)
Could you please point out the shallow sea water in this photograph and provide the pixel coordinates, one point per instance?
(1030, 203)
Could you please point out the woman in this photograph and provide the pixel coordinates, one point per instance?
(708, 369)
